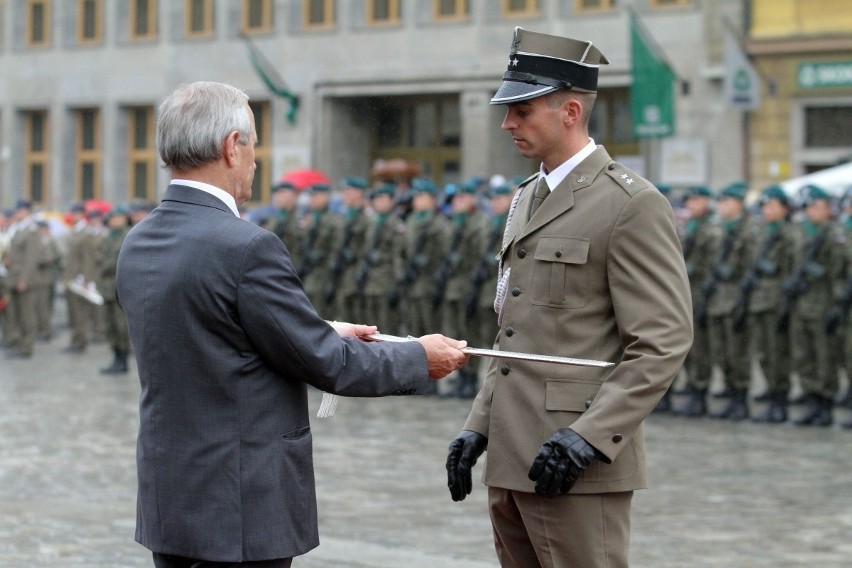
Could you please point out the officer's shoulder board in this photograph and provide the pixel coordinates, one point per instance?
(527, 181)
(629, 181)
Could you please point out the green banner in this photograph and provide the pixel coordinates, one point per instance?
(274, 84)
(652, 92)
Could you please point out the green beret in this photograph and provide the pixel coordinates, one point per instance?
(356, 182)
(283, 185)
(774, 192)
(811, 193)
(502, 189)
(423, 185)
(467, 187)
(324, 187)
(736, 190)
(384, 189)
(698, 191)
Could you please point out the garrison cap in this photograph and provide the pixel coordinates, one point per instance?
(423, 185)
(384, 189)
(810, 193)
(540, 64)
(737, 190)
(774, 192)
(77, 208)
(356, 182)
(698, 191)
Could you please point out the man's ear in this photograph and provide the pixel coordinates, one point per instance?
(229, 148)
(572, 110)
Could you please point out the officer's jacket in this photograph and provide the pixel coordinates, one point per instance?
(597, 272)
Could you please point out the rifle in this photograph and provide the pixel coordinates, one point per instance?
(308, 243)
(344, 257)
(751, 280)
(721, 271)
(447, 266)
(797, 284)
(839, 313)
(412, 269)
(480, 273)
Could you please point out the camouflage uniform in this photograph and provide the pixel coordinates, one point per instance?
(319, 243)
(377, 272)
(80, 266)
(44, 283)
(23, 256)
(343, 287)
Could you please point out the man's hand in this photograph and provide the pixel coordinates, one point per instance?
(345, 329)
(443, 355)
(465, 449)
(560, 462)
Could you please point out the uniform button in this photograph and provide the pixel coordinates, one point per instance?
(588, 403)
(611, 167)
(616, 438)
(510, 331)
(522, 253)
(516, 291)
(505, 369)
(559, 254)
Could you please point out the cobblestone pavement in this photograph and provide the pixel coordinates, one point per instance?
(723, 494)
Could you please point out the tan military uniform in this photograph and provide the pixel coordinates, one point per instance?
(23, 258)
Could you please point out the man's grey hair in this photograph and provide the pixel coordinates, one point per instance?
(194, 121)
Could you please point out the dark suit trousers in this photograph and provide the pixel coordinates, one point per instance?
(567, 531)
(169, 561)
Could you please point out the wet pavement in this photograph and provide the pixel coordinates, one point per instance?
(723, 494)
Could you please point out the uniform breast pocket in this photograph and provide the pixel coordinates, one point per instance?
(561, 273)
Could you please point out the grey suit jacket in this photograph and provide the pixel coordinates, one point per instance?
(226, 342)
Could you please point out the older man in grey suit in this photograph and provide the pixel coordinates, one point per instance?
(226, 342)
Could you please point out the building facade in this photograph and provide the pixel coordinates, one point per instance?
(80, 81)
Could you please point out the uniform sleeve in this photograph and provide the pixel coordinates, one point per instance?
(652, 308)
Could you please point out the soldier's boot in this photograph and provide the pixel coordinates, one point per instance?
(776, 412)
(736, 409)
(695, 406)
(825, 415)
(118, 365)
(765, 396)
(846, 400)
(814, 412)
(665, 404)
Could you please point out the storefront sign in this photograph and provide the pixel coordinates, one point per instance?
(819, 75)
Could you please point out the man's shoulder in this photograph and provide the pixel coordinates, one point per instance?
(625, 178)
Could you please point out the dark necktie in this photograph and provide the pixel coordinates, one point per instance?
(541, 193)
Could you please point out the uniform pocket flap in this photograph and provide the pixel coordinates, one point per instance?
(570, 250)
(569, 396)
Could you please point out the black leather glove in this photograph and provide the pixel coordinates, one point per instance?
(560, 462)
(465, 449)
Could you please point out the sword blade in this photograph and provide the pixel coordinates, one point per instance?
(496, 353)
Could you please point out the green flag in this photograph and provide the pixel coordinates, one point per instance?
(272, 80)
(652, 92)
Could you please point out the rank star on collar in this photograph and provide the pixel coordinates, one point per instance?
(628, 179)
(581, 179)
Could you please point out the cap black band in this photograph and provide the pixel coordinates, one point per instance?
(551, 71)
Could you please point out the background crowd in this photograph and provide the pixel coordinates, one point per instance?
(771, 282)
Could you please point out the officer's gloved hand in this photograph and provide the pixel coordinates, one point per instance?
(560, 462)
(464, 450)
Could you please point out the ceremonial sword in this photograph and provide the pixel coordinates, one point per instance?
(329, 401)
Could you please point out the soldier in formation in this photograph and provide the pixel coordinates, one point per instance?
(117, 224)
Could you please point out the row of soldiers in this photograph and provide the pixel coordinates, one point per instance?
(428, 266)
(777, 286)
(83, 263)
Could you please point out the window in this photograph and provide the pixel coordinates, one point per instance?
(141, 153)
(262, 151)
(36, 149)
(143, 19)
(451, 9)
(828, 127)
(38, 23)
(90, 21)
(88, 154)
(516, 8)
(611, 122)
(593, 5)
(257, 16)
(319, 13)
(383, 11)
(199, 18)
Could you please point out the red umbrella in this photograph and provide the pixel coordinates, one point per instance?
(305, 178)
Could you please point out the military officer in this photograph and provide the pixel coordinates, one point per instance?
(80, 267)
(467, 228)
(22, 260)
(771, 258)
(839, 316)
(591, 266)
(810, 292)
(320, 235)
(701, 239)
(285, 221)
(117, 224)
(721, 290)
(342, 287)
(44, 284)
(376, 275)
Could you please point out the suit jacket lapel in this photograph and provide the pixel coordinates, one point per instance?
(562, 197)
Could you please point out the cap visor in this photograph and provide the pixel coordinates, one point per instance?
(513, 91)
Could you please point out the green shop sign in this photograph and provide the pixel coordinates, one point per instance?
(818, 75)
